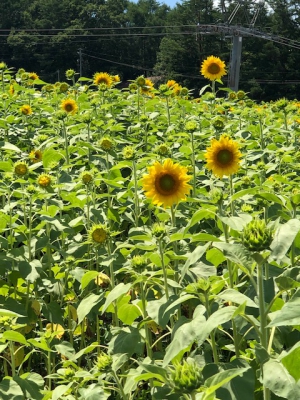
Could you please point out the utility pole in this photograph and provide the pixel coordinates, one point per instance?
(235, 63)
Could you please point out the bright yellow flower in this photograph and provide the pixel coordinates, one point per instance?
(69, 106)
(36, 156)
(223, 156)
(166, 184)
(44, 180)
(148, 87)
(33, 76)
(171, 83)
(103, 77)
(26, 109)
(115, 78)
(213, 68)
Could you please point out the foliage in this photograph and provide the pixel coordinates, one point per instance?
(104, 294)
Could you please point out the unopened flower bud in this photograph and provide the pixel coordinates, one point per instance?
(256, 235)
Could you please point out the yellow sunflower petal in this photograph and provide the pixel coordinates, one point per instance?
(103, 77)
(213, 68)
(223, 156)
(69, 106)
(166, 184)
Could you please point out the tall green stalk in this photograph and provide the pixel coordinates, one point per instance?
(164, 269)
(264, 334)
(136, 197)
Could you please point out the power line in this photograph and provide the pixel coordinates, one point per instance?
(96, 29)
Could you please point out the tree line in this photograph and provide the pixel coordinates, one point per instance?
(149, 38)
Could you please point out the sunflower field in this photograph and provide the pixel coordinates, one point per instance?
(150, 242)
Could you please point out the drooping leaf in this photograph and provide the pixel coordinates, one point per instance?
(279, 381)
(283, 239)
(86, 305)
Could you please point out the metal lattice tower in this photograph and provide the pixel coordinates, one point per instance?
(237, 32)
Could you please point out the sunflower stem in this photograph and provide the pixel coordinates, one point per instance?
(145, 315)
(164, 269)
(213, 87)
(168, 110)
(193, 164)
(231, 194)
(136, 198)
(66, 144)
(263, 317)
(212, 335)
(231, 285)
(175, 250)
(112, 280)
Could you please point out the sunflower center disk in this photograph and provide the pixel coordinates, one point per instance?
(213, 68)
(68, 107)
(166, 184)
(224, 157)
(99, 235)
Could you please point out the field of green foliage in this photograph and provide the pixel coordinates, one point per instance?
(150, 242)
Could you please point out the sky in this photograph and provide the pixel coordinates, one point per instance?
(170, 3)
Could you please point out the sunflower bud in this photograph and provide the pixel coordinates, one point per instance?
(163, 149)
(104, 362)
(241, 95)
(3, 66)
(187, 377)
(63, 87)
(86, 177)
(159, 230)
(247, 208)
(106, 144)
(191, 126)
(218, 124)
(70, 73)
(282, 104)
(184, 91)
(163, 88)
(103, 87)
(140, 81)
(209, 97)
(257, 236)
(216, 195)
(128, 153)
(133, 87)
(20, 168)
(139, 262)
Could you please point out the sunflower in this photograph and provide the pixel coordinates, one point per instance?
(148, 87)
(44, 180)
(171, 83)
(26, 109)
(102, 77)
(98, 234)
(20, 168)
(223, 156)
(33, 76)
(166, 184)
(36, 156)
(69, 106)
(115, 78)
(213, 68)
